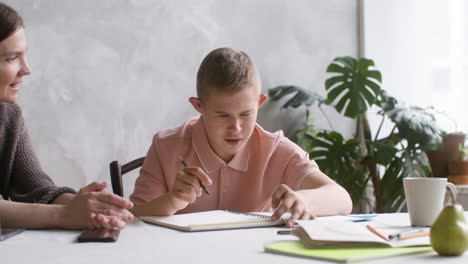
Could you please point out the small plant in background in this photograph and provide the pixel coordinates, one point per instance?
(458, 164)
(384, 160)
(463, 148)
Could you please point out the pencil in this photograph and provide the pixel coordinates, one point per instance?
(405, 234)
(201, 184)
(376, 232)
(408, 236)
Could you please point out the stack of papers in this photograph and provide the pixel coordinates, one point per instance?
(341, 239)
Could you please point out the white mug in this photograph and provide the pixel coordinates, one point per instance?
(425, 198)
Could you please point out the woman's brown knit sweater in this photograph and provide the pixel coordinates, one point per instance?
(21, 176)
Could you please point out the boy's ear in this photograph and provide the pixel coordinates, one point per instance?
(196, 104)
(263, 98)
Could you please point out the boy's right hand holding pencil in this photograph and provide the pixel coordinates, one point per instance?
(189, 185)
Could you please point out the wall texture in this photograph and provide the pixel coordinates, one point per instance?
(108, 74)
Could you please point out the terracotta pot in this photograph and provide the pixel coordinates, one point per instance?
(452, 143)
(458, 180)
(458, 167)
(439, 163)
(439, 159)
(458, 172)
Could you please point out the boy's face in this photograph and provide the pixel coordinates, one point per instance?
(229, 119)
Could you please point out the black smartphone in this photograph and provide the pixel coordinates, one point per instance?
(7, 233)
(99, 235)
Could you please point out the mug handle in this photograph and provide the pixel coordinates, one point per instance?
(453, 193)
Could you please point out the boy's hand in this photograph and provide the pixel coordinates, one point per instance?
(187, 187)
(287, 200)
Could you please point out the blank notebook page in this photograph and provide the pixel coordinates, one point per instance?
(210, 218)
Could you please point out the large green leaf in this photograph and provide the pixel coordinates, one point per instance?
(306, 135)
(382, 151)
(340, 160)
(416, 125)
(355, 86)
(410, 163)
(301, 96)
(386, 102)
(391, 196)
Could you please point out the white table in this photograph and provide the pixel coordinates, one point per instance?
(144, 243)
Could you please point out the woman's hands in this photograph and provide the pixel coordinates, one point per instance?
(92, 207)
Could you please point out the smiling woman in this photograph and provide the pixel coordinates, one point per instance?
(35, 200)
(13, 65)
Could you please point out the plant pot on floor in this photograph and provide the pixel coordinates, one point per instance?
(439, 159)
(458, 172)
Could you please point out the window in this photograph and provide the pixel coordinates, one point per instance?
(421, 48)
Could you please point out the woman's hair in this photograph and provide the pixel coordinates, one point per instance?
(10, 21)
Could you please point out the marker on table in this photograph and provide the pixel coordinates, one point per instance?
(201, 184)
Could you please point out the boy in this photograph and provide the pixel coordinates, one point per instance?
(243, 167)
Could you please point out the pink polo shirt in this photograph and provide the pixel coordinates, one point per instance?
(246, 183)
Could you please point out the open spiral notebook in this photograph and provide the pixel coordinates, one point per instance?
(213, 220)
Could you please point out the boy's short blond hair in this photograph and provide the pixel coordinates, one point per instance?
(226, 70)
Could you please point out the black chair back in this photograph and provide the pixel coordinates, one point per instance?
(117, 171)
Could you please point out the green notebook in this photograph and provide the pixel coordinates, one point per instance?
(341, 255)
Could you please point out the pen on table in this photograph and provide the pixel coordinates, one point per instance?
(201, 184)
(288, 231)
(284, 232)
(409, 234)
(376, 232)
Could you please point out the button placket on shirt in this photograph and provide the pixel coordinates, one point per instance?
(225, 184)
(223, 187)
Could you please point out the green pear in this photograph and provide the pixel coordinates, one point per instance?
(449, 233)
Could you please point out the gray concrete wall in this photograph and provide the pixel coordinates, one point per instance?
(108, 74)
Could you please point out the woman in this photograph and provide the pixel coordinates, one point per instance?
(35, 201)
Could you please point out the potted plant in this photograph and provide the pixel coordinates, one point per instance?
(458, 167)
(383, 160)
(449, 150)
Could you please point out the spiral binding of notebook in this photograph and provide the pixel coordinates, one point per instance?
(246, 213)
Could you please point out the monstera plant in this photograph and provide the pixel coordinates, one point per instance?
(384, 160)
